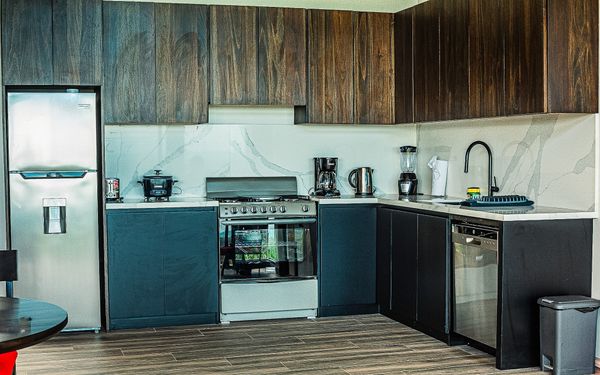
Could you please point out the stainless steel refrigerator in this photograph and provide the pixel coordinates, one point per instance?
(53, 187)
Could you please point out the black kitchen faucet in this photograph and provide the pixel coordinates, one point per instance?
(492, 188)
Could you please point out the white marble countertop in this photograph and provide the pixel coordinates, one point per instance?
(428, 203)
(174, 202)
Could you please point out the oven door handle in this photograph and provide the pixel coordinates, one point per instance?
(310, 220)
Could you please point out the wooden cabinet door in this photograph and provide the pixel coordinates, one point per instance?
(486, 58)
(404, 266)
(347, 237)
(282, 56)
(181, 63)
(135, 264)
(454, 57)
(374, 68)
(573, 56)
(525, 65)
(384, 260)
(233, 55)
(77, 42)
(190, 262)
(433, 273)
(330, 67)
(427, 61)
(403, 68)
(129, 63)
(27, 42)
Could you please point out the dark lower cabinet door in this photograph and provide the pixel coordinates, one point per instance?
(347, 258)
(384, 259)
(27, 42)
(404, 266)
(129, 63)
(190, 262)
(433, 273)
(136, 283)
(77, 42)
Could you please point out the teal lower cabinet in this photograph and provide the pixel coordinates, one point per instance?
(162, 267)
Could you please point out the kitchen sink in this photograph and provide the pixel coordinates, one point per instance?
(440, 201)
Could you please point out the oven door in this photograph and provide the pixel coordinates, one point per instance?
(267, 249)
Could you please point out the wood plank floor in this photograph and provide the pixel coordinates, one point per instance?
(368, 344)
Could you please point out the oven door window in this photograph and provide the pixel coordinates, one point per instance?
(266, 251)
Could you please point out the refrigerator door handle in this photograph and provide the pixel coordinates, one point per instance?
(35, 175)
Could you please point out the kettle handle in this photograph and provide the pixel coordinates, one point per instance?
(352, 178)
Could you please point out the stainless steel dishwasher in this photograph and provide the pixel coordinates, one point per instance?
(475, 276)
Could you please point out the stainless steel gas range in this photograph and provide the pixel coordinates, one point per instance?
(267, 248)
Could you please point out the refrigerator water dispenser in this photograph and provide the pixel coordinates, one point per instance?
(55, 213)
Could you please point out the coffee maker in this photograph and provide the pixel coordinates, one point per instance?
(407, 184)
(325, 177)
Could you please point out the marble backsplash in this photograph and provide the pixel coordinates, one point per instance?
(251, 142)
(549, 158)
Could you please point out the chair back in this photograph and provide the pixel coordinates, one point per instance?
(8, 265)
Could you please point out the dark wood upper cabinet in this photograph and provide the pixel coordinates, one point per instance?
(525, 70)
(181, 63)
(374, 68)
(27, 42)
(427, 61)
(233, 55)
(282, 56)
(486, 58)
(454, 55)
(77, 42)
(403, 60)
(129, 63)
(330, 67)
(573, 56)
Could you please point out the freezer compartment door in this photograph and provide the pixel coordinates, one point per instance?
(54, 226)
(51, 131)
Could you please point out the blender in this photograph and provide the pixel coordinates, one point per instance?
(407, 184)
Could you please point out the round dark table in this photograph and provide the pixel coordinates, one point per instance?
(26, 322)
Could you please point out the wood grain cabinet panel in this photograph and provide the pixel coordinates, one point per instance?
(525, 67)
(129, 63)
(374, 68)
(454, 57)
(403, 66)
(282, 56)
(330, 66)
(486, 58)
(233, 55)
(427, 61)
(181, 63)
(77, 42)
(573, 56)
(27, 42)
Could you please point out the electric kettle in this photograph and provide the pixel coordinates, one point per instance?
(361, 179)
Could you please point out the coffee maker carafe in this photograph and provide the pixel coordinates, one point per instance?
(407, 184)
(326, 176)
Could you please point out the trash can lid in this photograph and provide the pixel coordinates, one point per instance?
(568, 302)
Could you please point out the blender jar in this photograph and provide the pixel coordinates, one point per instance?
(408, 159)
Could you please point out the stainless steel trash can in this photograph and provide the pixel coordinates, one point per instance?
(568, 334)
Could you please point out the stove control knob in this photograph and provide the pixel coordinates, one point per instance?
(263, 209)
(233, 210)
(282, 209)
(305, 208)
(253, 210)
(243, 210)
(273, 209)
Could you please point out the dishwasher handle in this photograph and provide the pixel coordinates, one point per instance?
(470, 240)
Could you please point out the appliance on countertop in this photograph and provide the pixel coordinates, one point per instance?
(475, 280)
(361, 179)
(157, 186)
(326, 177)
(54, 196)
(407, 184)
(267, 248)
(112, 189)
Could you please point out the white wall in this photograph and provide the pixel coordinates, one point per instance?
(251, 141)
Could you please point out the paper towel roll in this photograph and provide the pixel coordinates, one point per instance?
(439, 175)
